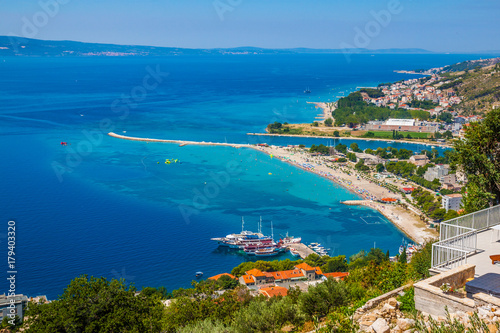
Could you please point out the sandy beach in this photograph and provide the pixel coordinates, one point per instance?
(406, 220)
(326, 111)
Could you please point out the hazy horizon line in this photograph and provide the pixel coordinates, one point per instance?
(253, 46)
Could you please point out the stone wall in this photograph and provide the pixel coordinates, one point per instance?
(382, 314)
(456, 277)
(429, 298)
(374, 302)
(483, 299)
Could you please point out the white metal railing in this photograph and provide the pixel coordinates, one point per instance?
(458, 237)
(447, 258)
(447, 231)
(479, 220)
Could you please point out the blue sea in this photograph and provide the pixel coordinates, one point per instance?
(108, 207)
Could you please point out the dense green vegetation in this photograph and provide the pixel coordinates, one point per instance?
(445, 135)
(355, 148)
(435, 158)
(426, 105)
(423, 169)
(445, 117)
(432, 207)
(352, 157)
(279, 128)
(478, 156)
(373, 93)
(401, 168)
(361, 166)
(352, 110)
(390, 152)
(98, 305)
(341, 148)
(321, 148)
(387, 84)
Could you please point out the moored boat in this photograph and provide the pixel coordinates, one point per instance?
(256, 243)
(238, 241)
(266, 252)
(294, 252)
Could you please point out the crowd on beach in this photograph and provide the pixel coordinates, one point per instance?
(307, 162)
(371, 191)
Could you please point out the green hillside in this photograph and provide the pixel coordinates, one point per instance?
(479, 87)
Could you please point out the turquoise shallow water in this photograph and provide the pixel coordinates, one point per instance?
(104, 206)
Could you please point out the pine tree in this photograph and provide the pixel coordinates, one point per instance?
(402, 257)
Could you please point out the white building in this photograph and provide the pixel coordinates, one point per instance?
(451, 201)
(400, 122)
(436, 172)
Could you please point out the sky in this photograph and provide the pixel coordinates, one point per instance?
(438, 25)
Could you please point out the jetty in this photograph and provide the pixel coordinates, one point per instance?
(180, 142)
(302, 249)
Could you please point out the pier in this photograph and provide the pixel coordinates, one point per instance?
(302, 249)
(180, 142)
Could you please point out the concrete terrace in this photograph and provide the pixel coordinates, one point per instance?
(488, 243)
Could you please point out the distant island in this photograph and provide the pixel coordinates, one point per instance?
(19, 46)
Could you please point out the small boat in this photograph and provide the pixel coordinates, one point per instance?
(199, 274)
(291, 240)
(294, 252)
(307, 91)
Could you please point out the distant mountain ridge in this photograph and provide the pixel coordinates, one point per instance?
(19, 46)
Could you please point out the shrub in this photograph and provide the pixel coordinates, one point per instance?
(407, 300)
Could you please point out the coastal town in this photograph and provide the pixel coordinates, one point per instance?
(439, 102)
(429, 109)
(415, 161)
